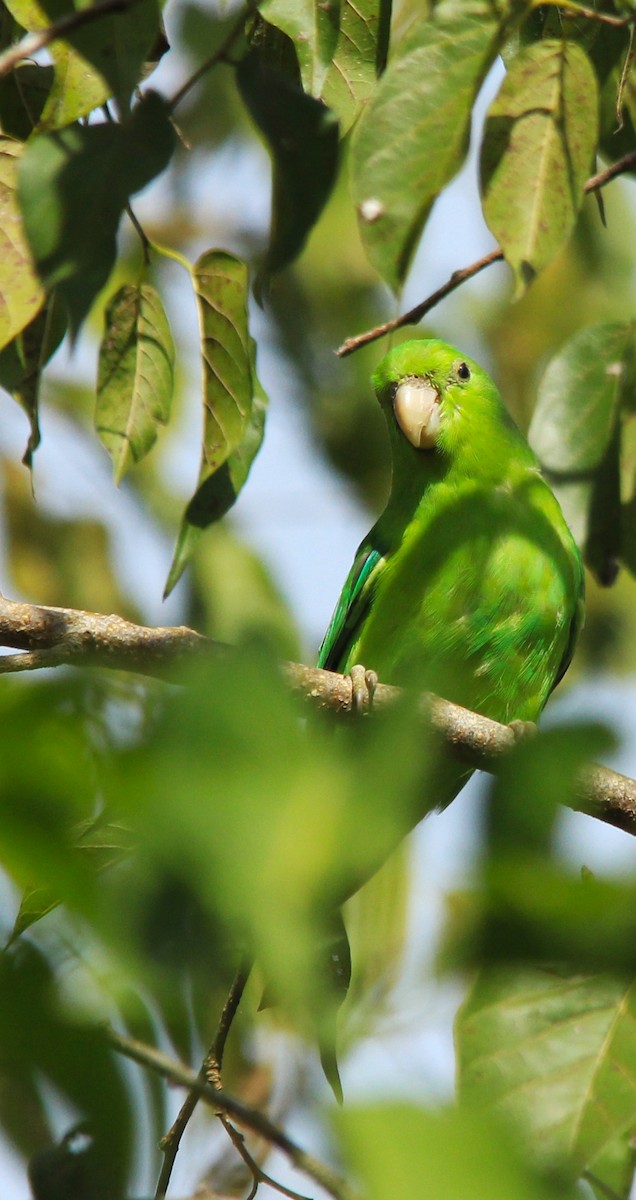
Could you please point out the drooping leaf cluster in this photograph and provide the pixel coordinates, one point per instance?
(159, 839)
(332, 90)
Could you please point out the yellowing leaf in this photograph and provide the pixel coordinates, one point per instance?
(101, 59)
(537, 152)
(21, 293)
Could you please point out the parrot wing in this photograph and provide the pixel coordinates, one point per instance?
(354, 603)
(576, 625)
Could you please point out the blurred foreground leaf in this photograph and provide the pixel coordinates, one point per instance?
(555, 1054)
(400, 1150)
(273, 825)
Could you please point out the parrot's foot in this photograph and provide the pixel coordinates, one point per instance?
(363, 685)
(521, 730)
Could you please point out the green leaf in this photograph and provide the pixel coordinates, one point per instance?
(359, 57)
(575, 433)
(102, 59)
(537, 152)
(117, 47)
(73, 187)
(23, 95)
(232, 597)
(21, 294)
(313, 28)
(101, 843)
(22, 363)
(341, 48)
(234, 404)
(413, 135)
(555, 1053)
(220, 491)
(401, 1150)
(135, 375)
(302, 137)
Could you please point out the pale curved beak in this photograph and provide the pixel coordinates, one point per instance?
(417, 412)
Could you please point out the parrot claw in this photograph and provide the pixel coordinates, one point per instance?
(363, 685)
(521, 730)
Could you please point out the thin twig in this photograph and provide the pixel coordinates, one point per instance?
(571, 12)
(219, 55)
(170, 1141)
(415, 314)
(55, 636)
(626, 163)
(248, 1117)
(39, 38)
(257, 1173)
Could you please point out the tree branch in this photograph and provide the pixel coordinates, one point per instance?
(222, 1101)
(39, 38)
(66, 636)
(209, 1072)
(593, 184)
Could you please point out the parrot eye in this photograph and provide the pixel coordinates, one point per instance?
(463, 371)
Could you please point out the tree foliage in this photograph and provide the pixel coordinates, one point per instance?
(156, 839)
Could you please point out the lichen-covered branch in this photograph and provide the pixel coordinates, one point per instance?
(55, 636)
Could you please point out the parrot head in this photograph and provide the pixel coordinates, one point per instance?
(435, 396)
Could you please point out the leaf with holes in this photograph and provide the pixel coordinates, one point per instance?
(135, 377)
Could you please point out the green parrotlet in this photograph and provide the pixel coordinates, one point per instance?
(470, 584)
